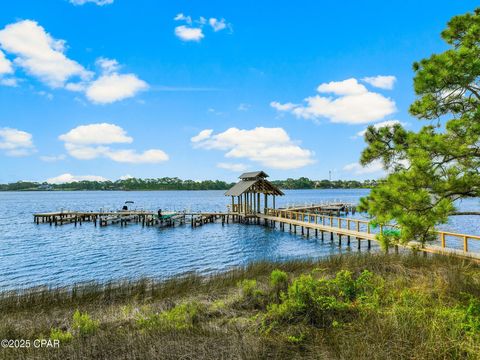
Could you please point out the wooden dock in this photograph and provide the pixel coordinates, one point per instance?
(362, 230)
(316, 218)
(330, 208)
(105, 218)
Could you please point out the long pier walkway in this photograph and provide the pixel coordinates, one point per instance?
(362, 230)
(315, 218)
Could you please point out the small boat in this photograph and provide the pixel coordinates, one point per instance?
(125, 207)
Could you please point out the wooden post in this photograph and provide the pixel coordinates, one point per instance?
(273, 201)
(252, 202)
(443, 239)
(266, 204)
(465, 243)
(233, 203)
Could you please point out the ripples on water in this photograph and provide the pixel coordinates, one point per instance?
(47, 255)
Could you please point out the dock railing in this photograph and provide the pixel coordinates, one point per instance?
(365, 226)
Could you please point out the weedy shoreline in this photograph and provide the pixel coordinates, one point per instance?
(356, 306)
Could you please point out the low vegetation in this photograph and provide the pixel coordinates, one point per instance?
(371, 306)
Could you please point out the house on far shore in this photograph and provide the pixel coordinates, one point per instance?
(246, 194)
(45, 187)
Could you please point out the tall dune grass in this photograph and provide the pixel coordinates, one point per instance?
(371, 306)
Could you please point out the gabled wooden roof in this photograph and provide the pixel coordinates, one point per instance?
(258, 185)
(253, 175)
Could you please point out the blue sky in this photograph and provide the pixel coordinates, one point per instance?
(205, 90)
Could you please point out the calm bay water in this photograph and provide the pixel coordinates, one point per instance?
(34, 255)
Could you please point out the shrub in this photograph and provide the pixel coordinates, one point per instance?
(307, 300)
(279, 282)
(471, 320)
(320, 302)
(345, 285)
(252, 296)
(181, 317)
(83, 324)
(62, 336)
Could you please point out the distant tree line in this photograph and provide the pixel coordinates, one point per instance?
(306, 183)
(167, 183)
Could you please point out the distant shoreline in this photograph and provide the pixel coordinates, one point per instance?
(176, 184)
(151, 190)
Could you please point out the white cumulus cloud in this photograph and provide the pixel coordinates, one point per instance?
(108, 65)
(114, 87)
(182, 17)
(202, 135)
(43, 57)
(16, 142)
(345, 87)
(96, 134)
(87, 142)
(216, 24)
(270, 147)
(39, 54)
(352, 103)
(186, 33)
(282, 107)
(5, 64)
(68, 178)
(193, 29)
(381, 81)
